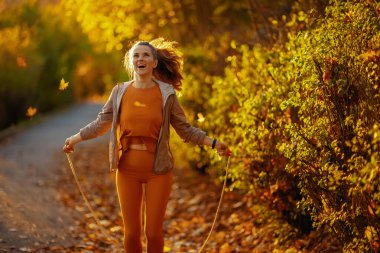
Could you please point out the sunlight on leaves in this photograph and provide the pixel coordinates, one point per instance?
(370, 55)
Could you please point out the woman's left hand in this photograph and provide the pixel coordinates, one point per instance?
(222, 149)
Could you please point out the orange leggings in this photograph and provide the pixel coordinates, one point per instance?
(135, 169)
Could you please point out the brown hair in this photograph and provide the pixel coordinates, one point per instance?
(169, 59)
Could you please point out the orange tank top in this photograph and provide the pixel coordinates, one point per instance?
(141, 116)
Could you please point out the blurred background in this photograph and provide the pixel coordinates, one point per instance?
(84, 42)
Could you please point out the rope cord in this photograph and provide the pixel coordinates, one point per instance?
(104, 232)
(94, 215)
(218, 208)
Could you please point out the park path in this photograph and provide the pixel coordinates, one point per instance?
(41, 210)
(31, 214)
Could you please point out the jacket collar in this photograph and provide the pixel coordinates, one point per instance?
(120, 92)
(166, 90)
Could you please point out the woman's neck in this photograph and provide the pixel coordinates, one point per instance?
(143, 81)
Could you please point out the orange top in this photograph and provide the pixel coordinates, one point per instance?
(141, 116)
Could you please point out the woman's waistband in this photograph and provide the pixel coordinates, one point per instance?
(138, 143)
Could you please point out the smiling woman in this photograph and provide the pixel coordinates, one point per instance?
(144, 60)
(139, 113)
(169, 60)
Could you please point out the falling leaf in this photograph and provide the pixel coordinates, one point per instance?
(201, 118)
(63, 85)
(21, 62)
(31, 111)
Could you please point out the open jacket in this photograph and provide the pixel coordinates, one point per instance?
(172, 114)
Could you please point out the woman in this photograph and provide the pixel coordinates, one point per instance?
(139, 113)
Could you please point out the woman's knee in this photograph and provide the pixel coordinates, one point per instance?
(132, 238)
(154, 236)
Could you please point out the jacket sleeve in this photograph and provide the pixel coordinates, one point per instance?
(103, 121)
(182, 127)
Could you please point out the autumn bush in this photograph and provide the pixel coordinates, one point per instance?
(332, 145)
(303, 120)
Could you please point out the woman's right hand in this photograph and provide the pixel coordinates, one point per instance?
(70, 143)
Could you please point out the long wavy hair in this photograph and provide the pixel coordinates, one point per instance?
(169, 59)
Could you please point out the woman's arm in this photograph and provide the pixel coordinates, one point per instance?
(98, 127)
(189, 133)
(178, 120)
(103, 122)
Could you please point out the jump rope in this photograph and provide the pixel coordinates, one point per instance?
(105, 232)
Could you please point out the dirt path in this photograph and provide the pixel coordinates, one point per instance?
(31, 214)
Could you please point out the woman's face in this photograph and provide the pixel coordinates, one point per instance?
(143, 60)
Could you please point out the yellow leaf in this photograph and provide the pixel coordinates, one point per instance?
(63, 85)
(167, 249)
(225, 248)
(201, 118)
(370, 232)
(233, 44)
(92, 225)
(115, 229)
(92, 236)
(31, 111)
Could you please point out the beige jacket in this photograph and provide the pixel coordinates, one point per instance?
(172, 114)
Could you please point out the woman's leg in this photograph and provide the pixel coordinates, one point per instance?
(157, 195)
(130, 198)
